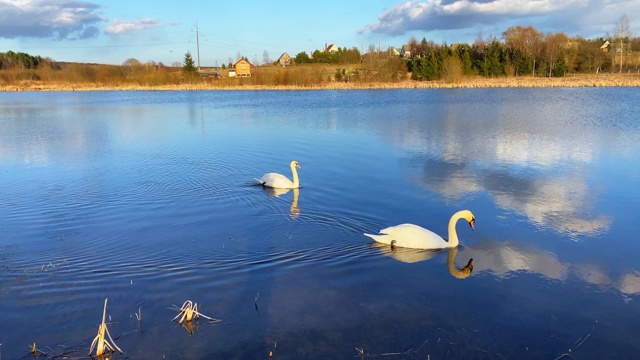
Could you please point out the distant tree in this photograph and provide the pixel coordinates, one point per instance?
(302, 58)
(371, 51)
(224, 66)
(188, 67)
(414, 46)
(432, 68)
(131, 66)
(494, 63)
(452, 71)
(527, 41)
(131, 62)
(265, 58)
(622, 35)
(552, 46)
(464, 54)
(560, 68)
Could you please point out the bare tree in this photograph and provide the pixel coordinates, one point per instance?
(265, 58)
(371, 51)
(623, 33)
(414, 45)
(552, 45)
(526, 39)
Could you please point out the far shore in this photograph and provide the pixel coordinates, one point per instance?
(599, 80)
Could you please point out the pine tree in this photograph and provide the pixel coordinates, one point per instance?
(188, 65)
(561, 66)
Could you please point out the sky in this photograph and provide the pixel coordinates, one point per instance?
(113, 31)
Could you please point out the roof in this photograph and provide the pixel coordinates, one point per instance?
(236, 63)
(284, 56)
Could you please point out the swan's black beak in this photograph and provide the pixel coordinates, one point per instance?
(472, 224)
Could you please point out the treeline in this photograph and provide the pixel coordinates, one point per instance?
(342, 56)
(10, 60)
(523, 51)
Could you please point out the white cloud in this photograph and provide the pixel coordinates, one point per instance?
(571, 16)
(70, 19)
(119, 27)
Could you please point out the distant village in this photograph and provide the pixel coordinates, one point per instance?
(244, 68)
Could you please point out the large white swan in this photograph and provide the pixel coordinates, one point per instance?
(279, 181)
(416, 237)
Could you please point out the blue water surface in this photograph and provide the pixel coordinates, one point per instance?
(149, 199)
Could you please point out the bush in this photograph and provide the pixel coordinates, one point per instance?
(452, 71)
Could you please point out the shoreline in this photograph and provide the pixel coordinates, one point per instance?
(600, 80)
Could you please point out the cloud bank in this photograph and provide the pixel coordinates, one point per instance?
(62, 19)
(558, 15)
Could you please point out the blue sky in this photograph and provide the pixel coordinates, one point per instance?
(110, 32)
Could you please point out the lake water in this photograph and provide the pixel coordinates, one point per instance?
(149, 199)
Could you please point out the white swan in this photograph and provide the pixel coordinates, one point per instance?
(416, 237)
(279, 181)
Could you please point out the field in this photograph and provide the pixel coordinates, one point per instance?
(86, 77)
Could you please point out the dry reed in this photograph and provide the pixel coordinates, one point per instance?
(600, 80)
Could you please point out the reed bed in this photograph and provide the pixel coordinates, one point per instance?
(601, 80)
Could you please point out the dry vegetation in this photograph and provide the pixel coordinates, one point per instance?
(86, 77)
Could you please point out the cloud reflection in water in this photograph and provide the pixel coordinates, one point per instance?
(504, 260)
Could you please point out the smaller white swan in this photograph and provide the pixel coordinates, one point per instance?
(416, 237)
(279, 181)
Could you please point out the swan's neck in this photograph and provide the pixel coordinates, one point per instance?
(453, 235)
(296, 182)
(455, 272)
(296, 193)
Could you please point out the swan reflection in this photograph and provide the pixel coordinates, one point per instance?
(407, 255)
(294, 211)
(505, 259)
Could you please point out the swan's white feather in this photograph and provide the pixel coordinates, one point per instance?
(410, 236)
(276, 180)
(279, 181)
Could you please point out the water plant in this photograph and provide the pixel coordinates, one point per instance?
(100, 342)
(189, 311)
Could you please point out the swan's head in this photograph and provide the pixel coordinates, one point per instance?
(296, 164)
(468, 215)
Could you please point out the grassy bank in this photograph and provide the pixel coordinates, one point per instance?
(322, 79)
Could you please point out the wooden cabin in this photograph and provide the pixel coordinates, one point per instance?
(285, 60)
(243, 68)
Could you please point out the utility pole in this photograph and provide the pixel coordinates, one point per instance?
(198, 44)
